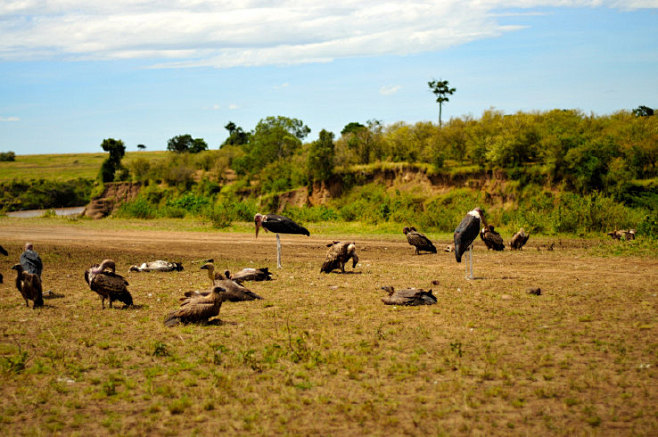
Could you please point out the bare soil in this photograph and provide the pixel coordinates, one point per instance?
(321, 354)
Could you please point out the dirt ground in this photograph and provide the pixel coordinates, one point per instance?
(321, 354)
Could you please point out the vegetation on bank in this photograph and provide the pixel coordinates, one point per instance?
(551, 172)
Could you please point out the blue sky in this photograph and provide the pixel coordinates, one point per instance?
(74, 72)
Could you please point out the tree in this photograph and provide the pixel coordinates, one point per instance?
(643, 111)
(117, 150)
(441, 89)
(274, 138)
(141, 146)
(185, 143)
(236, 136)
(321, 157)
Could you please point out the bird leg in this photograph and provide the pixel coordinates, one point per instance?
(278, 251)
(470, 261)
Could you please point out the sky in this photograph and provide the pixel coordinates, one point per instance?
(74, 72)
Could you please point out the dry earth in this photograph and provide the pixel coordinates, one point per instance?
(321, 354)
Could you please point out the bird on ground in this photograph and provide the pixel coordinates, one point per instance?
(197, 308)
(418, 240)
(408, 296)
(31, 261)
(519, 240)
(157, 266)
(102, 279)
(278, 224)
(338, 255)
(29, 284)
(491, 238)
(249, 274)
(233, 292)
(465, 234)
(622, 234)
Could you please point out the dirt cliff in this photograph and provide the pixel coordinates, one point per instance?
(114, 194)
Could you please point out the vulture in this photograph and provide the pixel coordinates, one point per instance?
(197, 307)
(519, 240)
(103, 280)
(157, 266)
(622, 234)
(29, 284)
(408, 296)
(466, 233)
(31, 261)
(491, 238)
(338, 255)
(233, 292)
(418, 240)
(279, 225)
(249, 274)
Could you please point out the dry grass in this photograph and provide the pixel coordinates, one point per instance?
(321, 354)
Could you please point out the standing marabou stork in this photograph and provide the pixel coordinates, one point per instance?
(465, 235)
(279, 225)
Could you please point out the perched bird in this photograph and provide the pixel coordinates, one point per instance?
(103, 280)
(408, 296)
(338, 255)
(233, 292)
(197, 308)
(29, 284)
(519, 240)
(491, 238)
(31, 261)
(466, 233)
(279, 225)
(250, 274)
(157, 266)
(418, 240)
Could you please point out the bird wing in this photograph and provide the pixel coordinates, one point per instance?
(410, 296)
(236, 292)
(283, 225)
(4, 251)
(31, 262)
(420, 241)
(109, 283)
(334, 253)
(493, 240)
(466, 232)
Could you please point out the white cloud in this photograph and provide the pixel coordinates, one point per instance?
(9, 119)
(233, 106)
(228, 33)
(389, 89)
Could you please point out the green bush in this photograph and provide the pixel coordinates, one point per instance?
(138, 208)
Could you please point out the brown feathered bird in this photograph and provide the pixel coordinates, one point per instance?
(418, 240)
(197, 307)
(249, 274)
(102, 279)
(233, 292)
(5, 253)
(408, 296)
(29, 284)
(338, 255)
(491, 238)
(519, 239)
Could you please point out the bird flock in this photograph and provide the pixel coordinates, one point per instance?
(201, 306)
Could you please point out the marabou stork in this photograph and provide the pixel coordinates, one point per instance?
(279, 225)
(465, 235)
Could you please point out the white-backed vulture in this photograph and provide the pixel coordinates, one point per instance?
(491, 238)
(249, 274)
(519, 240)
(103, 280)
(418, 240)
(338, 255)
(408, 296)
(233, 292)
(197, 308)
(29, 284)
(157, 266)
(31, 261)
